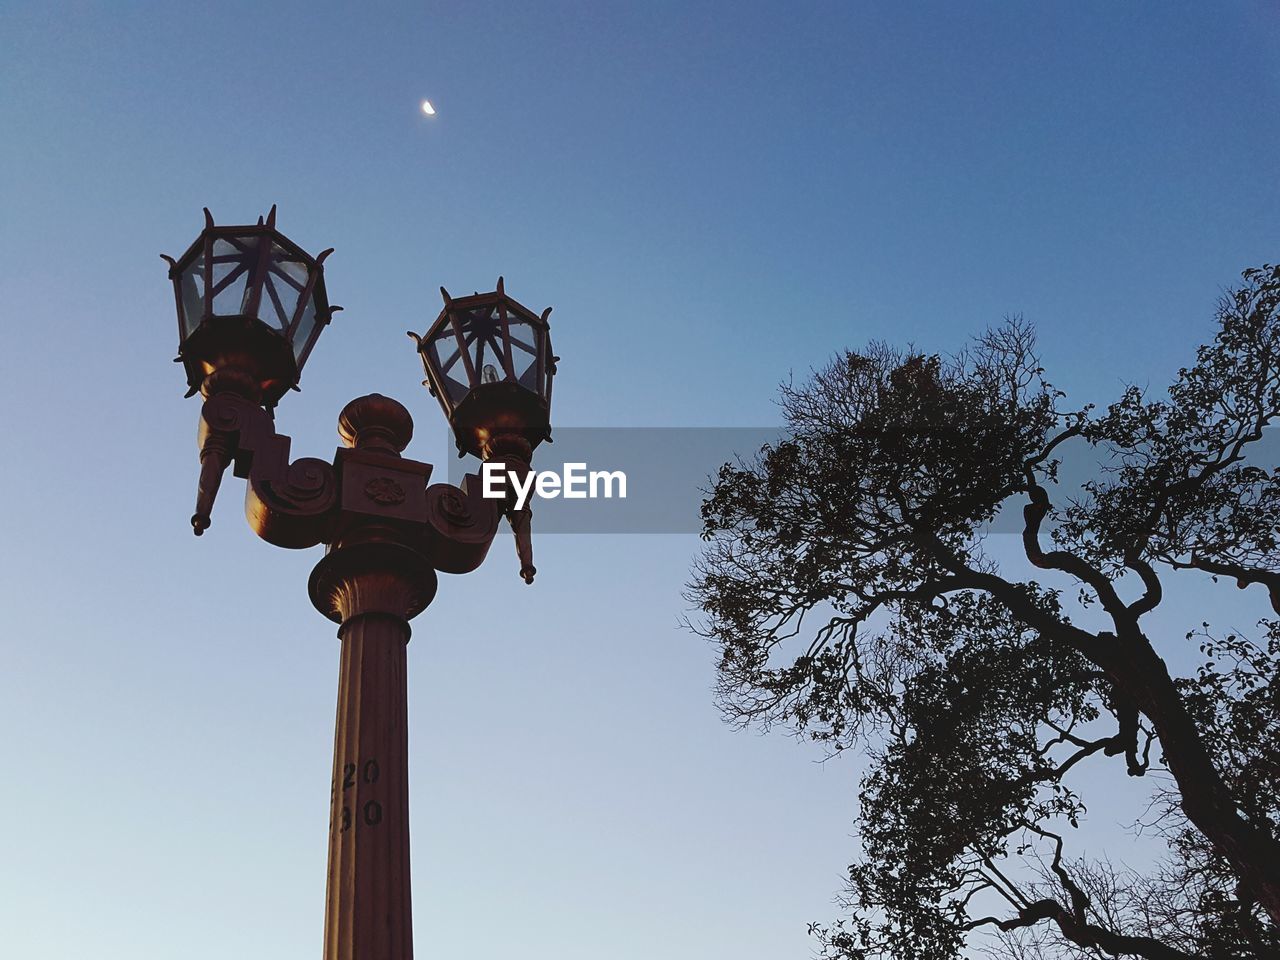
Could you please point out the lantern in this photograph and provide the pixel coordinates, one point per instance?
(488, 361)
(249, 299)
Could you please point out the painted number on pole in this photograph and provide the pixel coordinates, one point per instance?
(371, 812)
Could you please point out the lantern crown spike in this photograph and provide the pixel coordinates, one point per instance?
(208, 219)
(448, 300)
(271, 218)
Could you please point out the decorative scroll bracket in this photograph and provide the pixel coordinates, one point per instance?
(370, 492)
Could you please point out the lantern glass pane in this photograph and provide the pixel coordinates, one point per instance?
(449, 366)
(548, 365)
(525, 338)
(482, 331)
(191, 285)
(235, 261)
(278, 302)
(285, 280)
(306, 324)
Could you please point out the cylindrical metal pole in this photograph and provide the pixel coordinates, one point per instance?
(373, 580)
(368, 914)
(374, 587)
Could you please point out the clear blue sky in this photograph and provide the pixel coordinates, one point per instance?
(710, 195)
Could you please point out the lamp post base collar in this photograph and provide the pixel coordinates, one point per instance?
(372, 577)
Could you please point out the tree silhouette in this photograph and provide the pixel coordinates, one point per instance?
(848, 593)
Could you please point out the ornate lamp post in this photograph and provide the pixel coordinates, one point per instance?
(499, 403)
(251, 305)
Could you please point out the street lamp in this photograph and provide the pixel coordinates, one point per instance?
(505, 391)
(251, 305)
(248, 297)
(497, 402)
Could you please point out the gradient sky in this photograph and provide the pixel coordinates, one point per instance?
(711, 196)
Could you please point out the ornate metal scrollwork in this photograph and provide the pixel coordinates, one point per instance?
(298, 511)
(384, 491)
(288, 504)
(461, 525)
(310, 501)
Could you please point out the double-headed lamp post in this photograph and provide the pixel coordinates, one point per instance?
(251, 305)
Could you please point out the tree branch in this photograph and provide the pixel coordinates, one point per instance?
(1074, 923)
(1154, 591)
(1244, 576)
